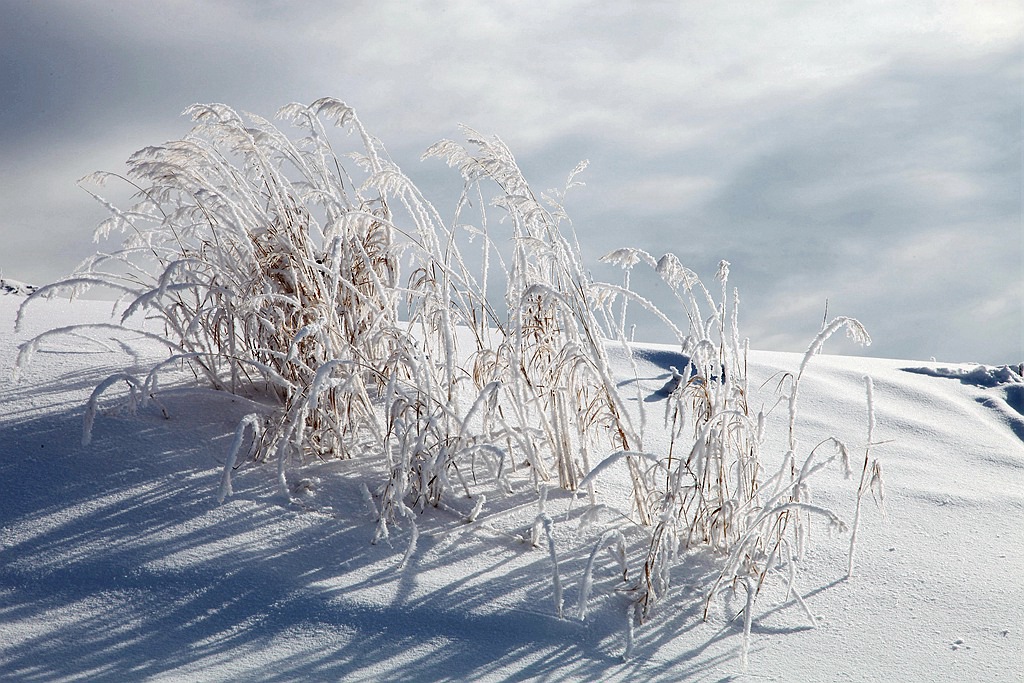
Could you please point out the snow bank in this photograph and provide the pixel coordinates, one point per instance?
(9, 286)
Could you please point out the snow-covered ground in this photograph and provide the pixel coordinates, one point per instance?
(117, 563)
(9, 286)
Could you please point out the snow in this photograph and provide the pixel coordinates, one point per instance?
(117, 563)
(16, 287)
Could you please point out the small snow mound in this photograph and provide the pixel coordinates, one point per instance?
(980, 376)
(8, 286)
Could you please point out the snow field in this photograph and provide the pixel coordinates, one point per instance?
(116, 561)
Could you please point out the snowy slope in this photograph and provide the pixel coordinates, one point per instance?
(116, 563)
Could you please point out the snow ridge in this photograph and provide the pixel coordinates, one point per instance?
(16, 287)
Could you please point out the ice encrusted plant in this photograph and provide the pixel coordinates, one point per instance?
(270, 263)
(261, 261)
(711, 489)
(444, 352)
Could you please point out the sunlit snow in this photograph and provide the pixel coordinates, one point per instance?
(117, 563)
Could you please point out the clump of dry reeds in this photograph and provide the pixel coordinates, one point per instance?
(343, 295)
(711, 489)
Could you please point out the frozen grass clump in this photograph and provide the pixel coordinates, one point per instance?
(311, 271)
(282, 267)
(711, 490)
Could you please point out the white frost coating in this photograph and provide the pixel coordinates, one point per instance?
(647, 304)
(414, 535)
(877, 475)
(545, 521)
(303, 332)
(252, 420)
(486, 395)
(748, 615)
(627, 257)
(272, 375)
(480, 501)
(611, 460)
(854, 329)
(631, 611)
(76, 285)
(588, 574)
(27, 349)
(91, 405)
(282, 480)
(368, 499)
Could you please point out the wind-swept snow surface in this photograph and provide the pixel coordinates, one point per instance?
(117, 563)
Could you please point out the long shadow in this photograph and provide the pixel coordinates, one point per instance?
(1003, 380)
(1014, 421)
(673, 362)
(117, 564)
(1015, 397)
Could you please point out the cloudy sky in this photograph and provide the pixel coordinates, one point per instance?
(865, 152)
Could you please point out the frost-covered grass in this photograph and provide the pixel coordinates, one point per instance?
(457, 355)
(117, 563)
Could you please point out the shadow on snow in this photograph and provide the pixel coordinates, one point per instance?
(116, 563)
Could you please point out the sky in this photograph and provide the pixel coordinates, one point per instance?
(864, 154)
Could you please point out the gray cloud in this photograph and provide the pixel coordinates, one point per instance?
(868, 153)
(834, 196)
